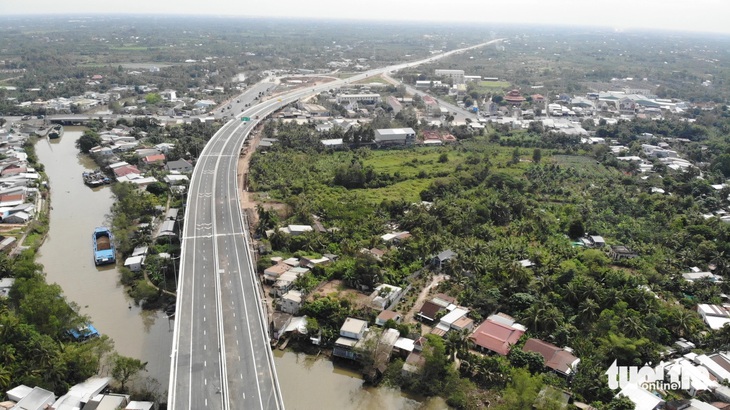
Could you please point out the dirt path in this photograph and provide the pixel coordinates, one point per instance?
(248, 205)
(423, 295)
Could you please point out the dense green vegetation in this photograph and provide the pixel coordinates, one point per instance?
(495, 205)
(36, 348)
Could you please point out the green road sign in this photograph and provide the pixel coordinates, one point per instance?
(245, 119)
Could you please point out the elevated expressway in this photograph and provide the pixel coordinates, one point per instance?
(221, 358)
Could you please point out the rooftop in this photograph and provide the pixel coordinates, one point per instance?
(495, 335)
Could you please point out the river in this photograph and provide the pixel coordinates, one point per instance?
(67, 259)
(306, 382)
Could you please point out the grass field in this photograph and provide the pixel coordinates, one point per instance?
(584, 163)
(484, 87)
(410, 163)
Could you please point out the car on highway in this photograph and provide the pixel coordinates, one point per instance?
(25, 118)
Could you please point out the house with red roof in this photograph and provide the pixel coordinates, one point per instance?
(125, 170)
(13, 169)
(562, 361)
(12, 199)
(154, 159)
(497, 334)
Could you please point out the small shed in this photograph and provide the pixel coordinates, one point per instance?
(134, 263)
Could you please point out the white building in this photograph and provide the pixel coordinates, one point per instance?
(134, 263)
(291, 302)
(716, 316)
(395, 136)
(456, 75)
(358, 98)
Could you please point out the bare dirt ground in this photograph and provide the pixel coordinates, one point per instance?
(358, 299)
(249, 200)
(422, 297)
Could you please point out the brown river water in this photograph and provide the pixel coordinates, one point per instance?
(306, 382)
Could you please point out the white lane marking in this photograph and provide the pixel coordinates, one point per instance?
(218, 235)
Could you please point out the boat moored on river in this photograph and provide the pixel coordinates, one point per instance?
(103, 241)
(95, 178)
(55, 132)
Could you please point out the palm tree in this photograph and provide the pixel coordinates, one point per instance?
(5, 378)
(457, 341)
(685, 321)
(588, 311)
(633, 326)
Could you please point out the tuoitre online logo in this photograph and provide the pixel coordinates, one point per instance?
(651, 378)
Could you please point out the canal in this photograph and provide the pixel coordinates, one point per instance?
(306, 382)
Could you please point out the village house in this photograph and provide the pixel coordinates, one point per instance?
(396, 237)
(561, 361)
(384, 295)
(167, 231)
(351, 332)
(456, 320)
(180, 165)
(387, 315)
(433, 307)
(272, 273)
(291, 302)
(593, 241)
(696, 275)
(295, 230)
(715, 316)
(439, 260)
(155, 159)
(310, 262)
(175, 179)
(497, 334)
(618, 252)
(285, 281)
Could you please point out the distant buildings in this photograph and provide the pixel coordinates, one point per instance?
(514, 97)
(395, 136)
(456, 75)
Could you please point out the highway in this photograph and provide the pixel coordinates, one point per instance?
(221, 358)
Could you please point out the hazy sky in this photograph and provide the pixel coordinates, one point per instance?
(685, 15)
